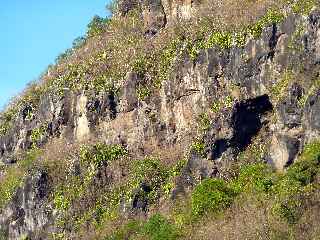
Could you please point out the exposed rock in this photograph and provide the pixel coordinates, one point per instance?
(28, 212)
(82, 130)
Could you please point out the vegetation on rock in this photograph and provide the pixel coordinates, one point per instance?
(104, 187)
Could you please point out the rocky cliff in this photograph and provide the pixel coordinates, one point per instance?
(194, 139)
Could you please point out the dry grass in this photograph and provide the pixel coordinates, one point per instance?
(56, 158)
(241, 221)
(251, 218)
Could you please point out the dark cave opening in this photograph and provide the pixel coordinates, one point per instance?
(246, 120)
(219, 147)
(111, 101)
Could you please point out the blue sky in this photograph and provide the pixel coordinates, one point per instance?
(34, 33)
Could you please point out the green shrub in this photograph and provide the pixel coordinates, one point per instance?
(37, 134)
(159, 228)
(143, 93)
(78, 42)
(140, 65)
(91, 158)
(97, 26)
(254, 177)
(311, 152)
(291, 190)
(304, 171)
(288, 198)
(131, 228)
(60, 201)
(216, 107)
(100, 153)
(307, 167)
(303, 7)
(212, 195)
(156, 228)
(204, 121)
(199, 147)
(6, 119)
(288, 210)
(151, 172)
(221, 39)
(272, 17)
(164, 60)
(14, 176)
(9, 184)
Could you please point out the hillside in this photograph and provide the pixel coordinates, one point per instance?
(173, 119)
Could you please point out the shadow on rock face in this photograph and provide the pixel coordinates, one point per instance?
(140, 199)
(246, 120)
(219, 147)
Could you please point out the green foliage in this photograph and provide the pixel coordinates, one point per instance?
(151, 172)
(78, 42)
(225, 102)
(9, 184)
(204, 121)
(288, 195)
(226, 39)
(106, 208)
(292, 188)
(143, 93)
(212, 195)
(159, 228)
(131, 228)
(173, 172)
(97, 26)
(14, 176)
(304, 171)
(193, 48)
(60, 201)
(240, 38)
(140, 65)
(311, 152)
(303, 7)
(221, 39)
(176, 169)
(72, 189)
(57, 236)
(256, 177)
(279, 88)
(272, 17)
(312, 90)
(165, 60)
(156, 228)
(6, 119)
(199, 147)
(37, 134)
(288, 211)
(91, 158)
(100, 154)
(216, 107)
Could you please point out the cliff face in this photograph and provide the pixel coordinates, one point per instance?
(263, 95)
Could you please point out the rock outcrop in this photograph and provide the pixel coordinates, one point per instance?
(242, 83)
